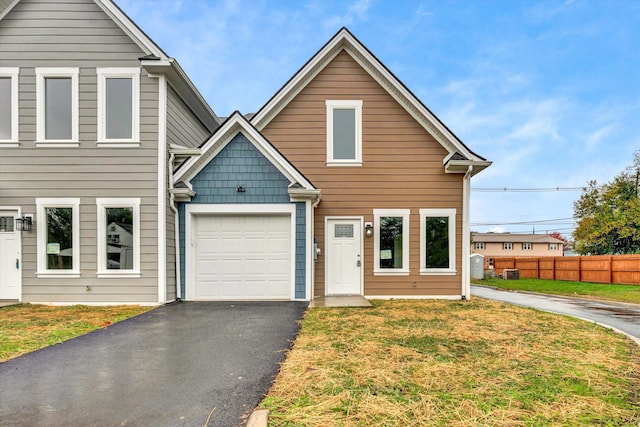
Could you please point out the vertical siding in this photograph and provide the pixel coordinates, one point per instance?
(240, 163)
(76, 33)
(183, 127)
(402, 168)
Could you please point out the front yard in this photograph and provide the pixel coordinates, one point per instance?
(26, 327)
(451, 363)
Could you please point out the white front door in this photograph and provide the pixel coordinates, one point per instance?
(343, 266)
(10, 259)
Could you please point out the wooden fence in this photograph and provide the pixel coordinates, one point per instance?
(620, 269)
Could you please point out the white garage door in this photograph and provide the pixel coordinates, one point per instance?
(242, 257)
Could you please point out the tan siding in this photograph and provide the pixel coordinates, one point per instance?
(76, 33)
(402, 168)
(183, 128)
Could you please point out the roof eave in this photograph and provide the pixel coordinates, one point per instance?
(462, 166)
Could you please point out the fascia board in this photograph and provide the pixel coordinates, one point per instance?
(8, 9)
(128, 26)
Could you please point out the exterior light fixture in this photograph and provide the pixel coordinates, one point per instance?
(24, 223)
(240, 189)
(368, 229)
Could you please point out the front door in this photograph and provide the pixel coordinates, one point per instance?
(343, 266)
(9, 256)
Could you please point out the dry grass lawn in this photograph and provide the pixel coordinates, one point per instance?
(26, 327)
(452, 363)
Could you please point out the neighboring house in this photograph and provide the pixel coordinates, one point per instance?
(92, 116)
(515, 245)
(343, 183)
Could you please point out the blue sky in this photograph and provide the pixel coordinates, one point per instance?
(547, 90)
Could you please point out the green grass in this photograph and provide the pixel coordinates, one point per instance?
(452, 363)
(25, 327)
(621, 293)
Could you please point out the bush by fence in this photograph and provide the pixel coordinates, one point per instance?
(621, 269)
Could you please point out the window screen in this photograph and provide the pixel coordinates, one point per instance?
(344, 134)
(5, 108)
(119, 108)
(57, 110)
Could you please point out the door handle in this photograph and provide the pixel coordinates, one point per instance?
(358, 263)
(17, 263)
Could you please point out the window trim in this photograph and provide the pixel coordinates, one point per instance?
(479, 246)
(337, 105)
(377, 214)
(507, 246)
(102, 204)
(41, 75)
(103, 74)
(12, 73)
(41, 205)
(527, 246)
(552, 248)
(451, 214)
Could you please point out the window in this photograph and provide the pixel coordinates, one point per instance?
(57, 107)
(9, 107)
(58, 237)
(526, 246)
(391, 244)
(118, 106)
(553, 246)
(344, 133)
(437, 241)
(118, 237)
(479, 246)
(507, 246)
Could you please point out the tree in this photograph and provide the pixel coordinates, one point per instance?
(608, 215)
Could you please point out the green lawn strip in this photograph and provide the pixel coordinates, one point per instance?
(413, 363)
(621, 293)
(25, 327)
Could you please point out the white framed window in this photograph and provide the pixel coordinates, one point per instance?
(479, 246)
(9, 106)
(118, 107)
(507, 246)
(553, 246)
(58, 232)
(391, 241)
(57, 107)
(526, 246)
(344, 133)
(118, 237)
(437, 241)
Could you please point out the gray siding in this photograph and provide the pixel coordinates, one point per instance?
(76, 33)
(4, 4)
(183, 128)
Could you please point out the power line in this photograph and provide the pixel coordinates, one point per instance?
(541, 221)
(523, 190)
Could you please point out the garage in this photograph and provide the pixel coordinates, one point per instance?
(241, 257)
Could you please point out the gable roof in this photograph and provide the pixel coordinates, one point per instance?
(237, 123)
(460, 157)
(514, 238)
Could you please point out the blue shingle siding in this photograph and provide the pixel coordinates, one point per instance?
(241, 164)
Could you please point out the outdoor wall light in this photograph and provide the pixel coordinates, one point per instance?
(368, 229)
(24, 223)
(240, 189)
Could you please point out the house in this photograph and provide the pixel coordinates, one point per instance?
(370, 188)
(93, 117)
(343, 183)
(515, 245)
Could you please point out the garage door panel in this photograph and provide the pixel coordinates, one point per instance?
(243, 257)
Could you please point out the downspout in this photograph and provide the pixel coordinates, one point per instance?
(466, 243)
(176, 220)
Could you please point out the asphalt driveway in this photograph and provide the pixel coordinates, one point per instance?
(173, 366)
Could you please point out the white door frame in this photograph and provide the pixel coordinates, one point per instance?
(229, 210)
(326, 249)
(17, 210)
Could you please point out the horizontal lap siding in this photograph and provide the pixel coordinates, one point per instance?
(78, 34)
(183, 128)
(402, 169)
